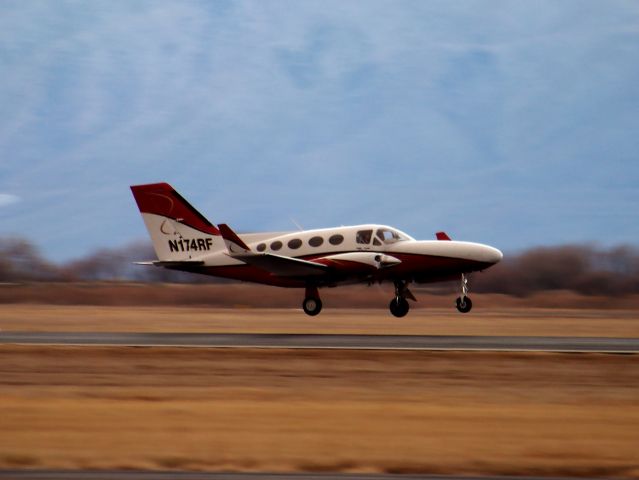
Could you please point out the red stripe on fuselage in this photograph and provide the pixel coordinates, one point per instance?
(420, 268)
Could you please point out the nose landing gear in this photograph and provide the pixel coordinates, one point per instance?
(463, 303)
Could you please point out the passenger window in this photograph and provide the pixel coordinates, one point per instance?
(377, 243)
(315, 241)
(364, 236)
(261, 247)
(336, 239)
(276, 245)
(295, 243)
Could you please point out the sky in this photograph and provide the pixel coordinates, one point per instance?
(512, 123)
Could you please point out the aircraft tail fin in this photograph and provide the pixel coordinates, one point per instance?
(178, 231)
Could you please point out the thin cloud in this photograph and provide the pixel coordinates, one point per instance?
(8, 199)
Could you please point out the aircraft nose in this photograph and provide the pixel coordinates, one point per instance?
(492, 254)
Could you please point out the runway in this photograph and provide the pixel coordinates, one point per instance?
(148, 475)
(324, 341)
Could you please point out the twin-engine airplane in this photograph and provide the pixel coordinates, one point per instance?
(184, 240)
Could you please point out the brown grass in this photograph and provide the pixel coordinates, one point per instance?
(284, 410)
(240, 295)
(483, 320)
(313, 410)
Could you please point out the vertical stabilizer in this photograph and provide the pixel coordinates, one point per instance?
(178, 231)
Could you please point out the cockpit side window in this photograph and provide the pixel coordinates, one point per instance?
(364, 236)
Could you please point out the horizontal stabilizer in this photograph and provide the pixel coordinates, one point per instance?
(442, 236)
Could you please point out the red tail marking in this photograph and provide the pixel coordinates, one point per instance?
(162, 199)
(442, 236)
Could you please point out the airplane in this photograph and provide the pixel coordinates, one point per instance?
(185, 240)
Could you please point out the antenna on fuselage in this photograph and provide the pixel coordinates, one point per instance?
(299, 227)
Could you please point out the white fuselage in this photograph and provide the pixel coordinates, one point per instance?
(360, 244)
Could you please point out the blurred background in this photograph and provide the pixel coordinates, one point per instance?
(508, 123)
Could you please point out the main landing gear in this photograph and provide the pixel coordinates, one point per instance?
(399, 306)
(463, 303)
(312, 304)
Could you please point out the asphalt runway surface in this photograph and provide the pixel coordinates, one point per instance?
(147, 475)
(388, 342)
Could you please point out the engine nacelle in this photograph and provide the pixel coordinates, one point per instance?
(360, 261)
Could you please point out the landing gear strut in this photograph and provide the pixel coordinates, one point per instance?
(312, 304)
(463, 303)
(399, 305)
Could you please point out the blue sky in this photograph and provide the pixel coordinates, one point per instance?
(513, 123)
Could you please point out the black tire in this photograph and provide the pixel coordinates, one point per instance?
(312, 306)
(465, 305)
(399, 307)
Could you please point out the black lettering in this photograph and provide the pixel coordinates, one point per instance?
(209, 243)
(193, 245)
(173, 245)
(200, 244)
(181, 245)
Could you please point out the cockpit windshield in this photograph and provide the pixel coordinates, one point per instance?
(388, 236)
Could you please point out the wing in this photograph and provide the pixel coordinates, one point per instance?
(172, 263)
(275, 264)
(282, 266)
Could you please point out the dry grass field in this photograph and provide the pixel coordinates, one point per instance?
(118, 307)
(243, 295)
(483, 320)
(319, 410)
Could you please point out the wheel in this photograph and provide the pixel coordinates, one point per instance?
(465, 305)
(399, 306)
(312, 306)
